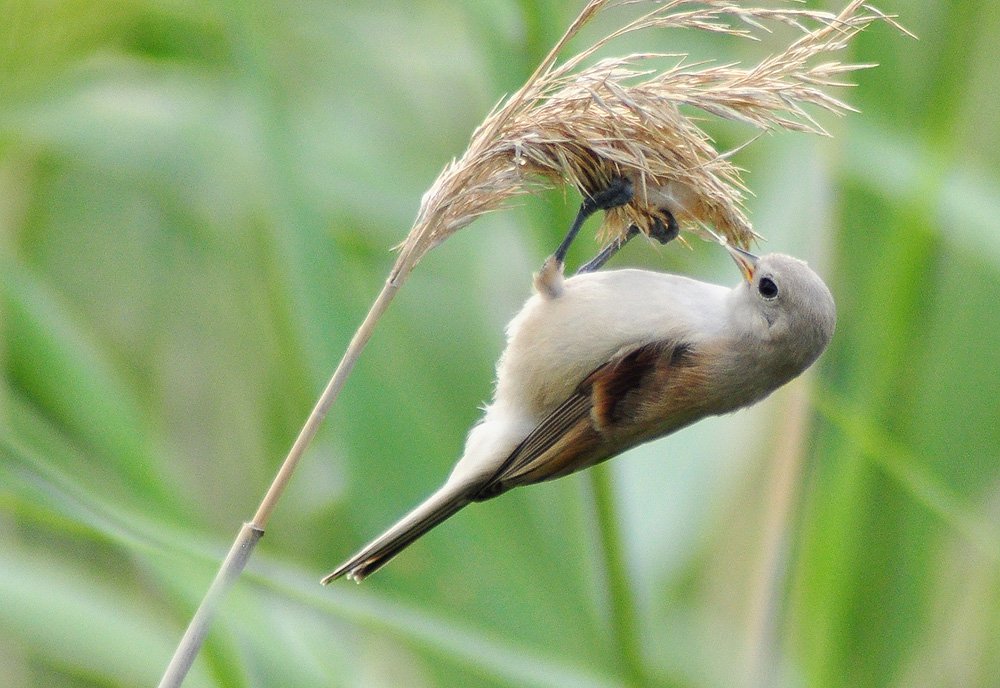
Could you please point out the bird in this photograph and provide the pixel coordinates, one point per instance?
(603, 361)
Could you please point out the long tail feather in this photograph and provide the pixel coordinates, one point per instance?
(439, 506)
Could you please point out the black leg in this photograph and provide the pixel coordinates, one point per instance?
(659, 231)
(611, 249)
(618, 192)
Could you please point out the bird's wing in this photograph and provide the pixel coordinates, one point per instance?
(587, 427)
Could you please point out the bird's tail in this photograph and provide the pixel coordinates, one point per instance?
(439, 506)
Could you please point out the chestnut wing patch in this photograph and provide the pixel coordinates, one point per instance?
(613, 386)
(576, 428)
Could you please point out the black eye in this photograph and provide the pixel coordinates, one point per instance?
(767, 288)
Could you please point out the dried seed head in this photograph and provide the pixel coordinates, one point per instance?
(621, 117)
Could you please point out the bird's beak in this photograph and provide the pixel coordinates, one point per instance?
(745, 261)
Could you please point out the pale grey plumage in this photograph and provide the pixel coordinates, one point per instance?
(603, 361)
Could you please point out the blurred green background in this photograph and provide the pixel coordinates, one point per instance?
(196, 206)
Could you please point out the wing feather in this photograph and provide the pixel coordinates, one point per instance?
(587, 427)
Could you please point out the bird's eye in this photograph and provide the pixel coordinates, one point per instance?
(767, 288)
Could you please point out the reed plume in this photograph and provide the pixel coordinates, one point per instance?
(622, 118)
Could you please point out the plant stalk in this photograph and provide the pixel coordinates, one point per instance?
(194, 636)
(234, 563)
(624, 620)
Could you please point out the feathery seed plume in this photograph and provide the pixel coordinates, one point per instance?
(621, 117)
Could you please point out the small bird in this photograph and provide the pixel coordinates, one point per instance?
(603, 361)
